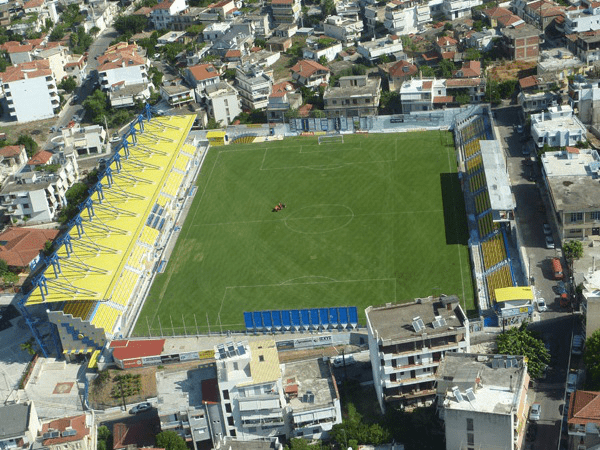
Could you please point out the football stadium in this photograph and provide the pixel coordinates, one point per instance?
(275, 234)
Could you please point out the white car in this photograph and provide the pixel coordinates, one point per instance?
(146, 406)
(547, 230)
(541, 305)
(536, 411)
(549, 242)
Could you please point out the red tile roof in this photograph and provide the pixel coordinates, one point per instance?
(120, 56)
(77, 423)
(126, 349)
(443, 99)
(33, 69)
(165, 4)
(306, 68)
(528, 82)
(403, 69)
(40, 158)
(506, 21)
(282, 2)
(430, 56)
(233, 54)
(139, 434)
(427, 84)
(33, 4)
(494, 13)
(574, 150)
(203, 72)
(448, 55)
(143, 11)
(463, 82)
(304, 110)
(8, 44)
(11, 150)
(469, 69)
(20, 246)
(19, 48)
(446, 40)
(584, 408)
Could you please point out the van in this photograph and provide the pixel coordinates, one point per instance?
(338, 361)
(557, 269)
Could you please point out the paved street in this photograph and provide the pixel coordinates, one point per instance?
(555, 325)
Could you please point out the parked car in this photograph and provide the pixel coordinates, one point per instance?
(549, 242)
(536, 411)
(338, 361)
(578, 342)
(519, 129)
(74, 100)
(141, 407)
(541, 305)
(571, 383)
(547, 229)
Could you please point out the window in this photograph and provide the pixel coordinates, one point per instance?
(354, 101)
(226, 394)
(230, 420)
(25, 205)
(470, 439)
(576, 217)
(367, 100)
(236, 366)
(469, 424)
(261, 358)
(228, 407)
(595, 215)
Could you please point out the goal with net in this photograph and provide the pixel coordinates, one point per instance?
(331, 139)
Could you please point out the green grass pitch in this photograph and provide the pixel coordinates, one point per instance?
(376, 219)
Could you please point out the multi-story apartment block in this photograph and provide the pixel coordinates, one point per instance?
(69, 433)
(402, 18)
(408, 341)
(522, 43)
(455, 9)
(317, 48)
(282, 99)
(120, 66)
(399, 72)
(580, 18)
(251, 390)
(162, 14)
(223, 103)
(355, 96)
(559, 64)
(376, 48)
(31, 91)
(215, 31)
(176, 93)
(540, 13)
(534, 94)
(373, 16)
(20, 426)
(558, 127)
(482, 400)
(420, 95)
(312, 397)
(186, 18)
(584, 98)
(260, 22)
(83, 141)
(254, 86)
(310, 73)
(585, 45)
(583, 420)
(571, 177)
(201, 76)
(345, 29)
(285, 11)
(36, 196)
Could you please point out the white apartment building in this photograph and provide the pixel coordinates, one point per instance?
(69, 433)
(582, 18)
(251, 390)
(558, 127)
(315, 50)
(223, 103)
(254, 86)
(344, 29)
(57, 57)
(12, 159)
(408, 341)
(35, 196)
(312, 397)
(376, 48)
(584, 98)
(455, 9)
(20, 426)
(161, 14)
(31, 91)
(121, 66)
(401, 19)
(83, 141)
(285, 11)
(373, 15)
(215, 31)
(419, 94)
(482, 400)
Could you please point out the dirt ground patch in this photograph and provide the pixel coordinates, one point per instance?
(513, 70)
(100, 393)
(39, 130)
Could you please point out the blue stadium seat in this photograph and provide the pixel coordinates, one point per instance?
(314, 318)
(353, 313)
(296, 318)
(333, 317)
(248, 321)
(324, 314)
(258, 324)
(267, 322)
(343, 317)
(286, 319)
(276, 316)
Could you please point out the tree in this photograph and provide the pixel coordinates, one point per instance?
(445, 68)
(328, 7)
(427, 71)
(130, 24)
(104, 436)
(195, 30)
(28, 347)
(573, 250)
(492, 93)
(323, 60)
(507, 88)
(521, 341)
(390, 102)
(96, 105)
(68, 84)
(170, 440)
(94, 31)
(472, 54)
(31, 147)
(591, 358)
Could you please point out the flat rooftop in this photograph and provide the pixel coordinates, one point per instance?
(575, 163)
(558, 123)
(311, 376)
(495, 385)
(498, 183)
(264, 363)
(394, 322)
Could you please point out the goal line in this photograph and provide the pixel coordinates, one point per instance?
(331, 139)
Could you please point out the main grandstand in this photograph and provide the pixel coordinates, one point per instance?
(89, 285)
(490, 209)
